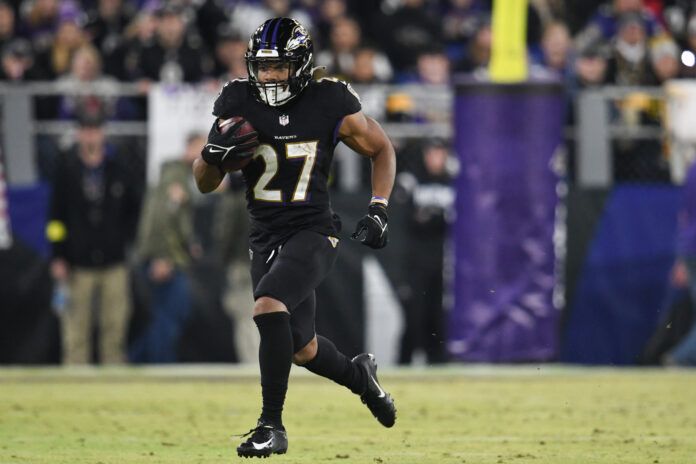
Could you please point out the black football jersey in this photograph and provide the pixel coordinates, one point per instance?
(287, 179)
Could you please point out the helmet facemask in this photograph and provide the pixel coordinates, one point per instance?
(292, 50)
(276, 91)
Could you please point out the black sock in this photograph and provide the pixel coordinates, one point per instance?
(275, 359)
(334, 365)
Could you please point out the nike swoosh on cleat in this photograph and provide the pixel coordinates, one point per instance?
(260, 446)
(381, 392)
(213, 150)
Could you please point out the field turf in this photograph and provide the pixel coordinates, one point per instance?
(476, 414)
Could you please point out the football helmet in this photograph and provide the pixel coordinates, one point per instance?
(280, 42)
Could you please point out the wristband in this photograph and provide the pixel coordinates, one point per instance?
(377, 200)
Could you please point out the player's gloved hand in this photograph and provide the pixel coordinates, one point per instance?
(229, 145)
(371, 230)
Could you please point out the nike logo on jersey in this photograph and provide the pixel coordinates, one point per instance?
(215, 150)
(381, 392)
(260, 446)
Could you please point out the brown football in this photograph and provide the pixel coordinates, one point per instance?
(246, 128)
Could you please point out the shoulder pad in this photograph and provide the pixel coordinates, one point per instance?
(338, 85)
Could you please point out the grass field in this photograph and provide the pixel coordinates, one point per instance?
(544, 414)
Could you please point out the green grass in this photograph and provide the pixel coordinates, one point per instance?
(544, 414)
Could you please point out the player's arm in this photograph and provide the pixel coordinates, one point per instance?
(364, 135)
(208, 177)
(222, 145)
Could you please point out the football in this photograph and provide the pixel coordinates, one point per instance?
(246, 128)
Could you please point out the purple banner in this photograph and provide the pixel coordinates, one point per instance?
(506, 136)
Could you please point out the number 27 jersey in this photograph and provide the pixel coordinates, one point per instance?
(287, 179)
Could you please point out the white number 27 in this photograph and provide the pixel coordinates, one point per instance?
(306, 150)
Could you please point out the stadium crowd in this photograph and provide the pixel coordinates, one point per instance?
(583, 44)
(103, 42)
(626, 42)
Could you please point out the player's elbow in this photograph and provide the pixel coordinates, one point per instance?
(385, 152)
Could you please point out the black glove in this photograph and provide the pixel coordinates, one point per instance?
(372, 227)
(228, 145)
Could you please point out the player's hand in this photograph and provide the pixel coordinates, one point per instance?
(228, 145)
(371, 230)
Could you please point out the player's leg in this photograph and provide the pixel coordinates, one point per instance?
(275, 356)
(320, 356)
(282, 279)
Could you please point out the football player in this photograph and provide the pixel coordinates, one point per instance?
(294, 234)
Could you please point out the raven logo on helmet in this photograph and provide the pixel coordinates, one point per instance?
(281, 41)
(299, 38)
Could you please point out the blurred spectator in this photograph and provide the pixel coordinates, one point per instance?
(139, 35)
(605, 24)
(630, 63)
(18, 62)
(366, 63)
(555, 51)
(688, 55)
(329, 12)
(69, 37)
(410, 30)
(684, 272)
(460, 20)
(173, 57)
(676, 18)
(433, 68)
(85, 71)
(540, 15)
(232, 222)
(165, 248)
(229, 54)
(478, 53)
(591, 66)
(7, 24)
(93, 215)
(339, 58)
(664, 59)
(39, 21)
(247, 15)
(430, 195)
(211, 17)
(105, 27)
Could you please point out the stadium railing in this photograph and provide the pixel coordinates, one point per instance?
(410, 111)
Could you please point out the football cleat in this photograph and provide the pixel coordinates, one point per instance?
(265, 439)
(378, 401)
